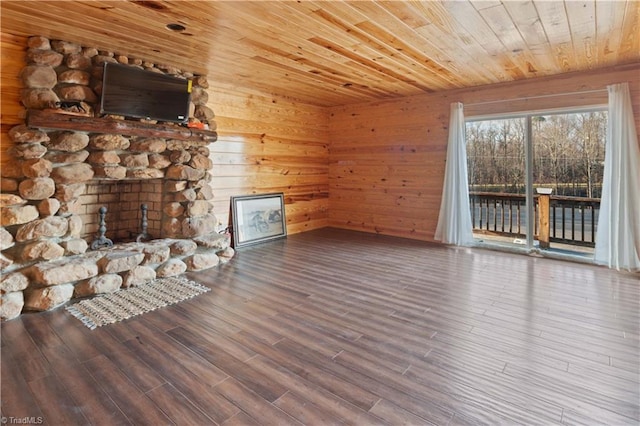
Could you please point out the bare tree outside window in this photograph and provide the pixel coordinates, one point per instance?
(568, 154)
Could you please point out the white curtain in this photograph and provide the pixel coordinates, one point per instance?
(618, 237)
(454, 220)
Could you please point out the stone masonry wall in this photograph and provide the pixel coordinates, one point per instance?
(48, 213)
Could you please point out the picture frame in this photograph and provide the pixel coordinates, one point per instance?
(257, 218)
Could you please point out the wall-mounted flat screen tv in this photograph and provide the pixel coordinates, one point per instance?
(133, 92)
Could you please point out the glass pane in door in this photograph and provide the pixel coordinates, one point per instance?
(496, 157)
(568, 165)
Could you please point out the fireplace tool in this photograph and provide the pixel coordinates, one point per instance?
(144, 223)
(102, 241)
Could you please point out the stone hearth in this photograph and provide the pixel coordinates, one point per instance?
(68, 164)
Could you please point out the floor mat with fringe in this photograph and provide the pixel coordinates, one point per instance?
(123, 304)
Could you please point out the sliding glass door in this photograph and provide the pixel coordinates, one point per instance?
(535, 180)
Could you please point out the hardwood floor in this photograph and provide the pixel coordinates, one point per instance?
(338, 327)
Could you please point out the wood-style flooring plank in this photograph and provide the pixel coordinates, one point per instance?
(620, 403)
(241, 419)
(355, 395)
(15, 394)
(401, 394)
(396, 415)
(96, 404)
(225, 362)
(19, 346)
(305, 411)
(251, 403)
(137, 406)
(172, 350)
(177, 406)
(328, 401)
(498, 402)
(341, 327)
(197, 388)
(55, 402)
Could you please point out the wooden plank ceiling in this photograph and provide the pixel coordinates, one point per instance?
(331, 53)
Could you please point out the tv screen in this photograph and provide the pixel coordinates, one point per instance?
(133, 92)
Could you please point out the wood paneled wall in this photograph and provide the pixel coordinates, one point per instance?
(265, 144)
(374, 167)
(387, 158)
(13, 50)
(268, 144)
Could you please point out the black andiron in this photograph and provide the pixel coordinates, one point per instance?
(101, 241)
(143, 225)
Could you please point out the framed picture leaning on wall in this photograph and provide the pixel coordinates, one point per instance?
(257, 218)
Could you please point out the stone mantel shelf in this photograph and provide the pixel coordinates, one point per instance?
(40, 119)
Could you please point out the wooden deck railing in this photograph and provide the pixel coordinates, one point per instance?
(574, 220)
(571, 220)
(498, 213)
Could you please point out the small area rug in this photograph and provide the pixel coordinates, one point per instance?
(123, 304)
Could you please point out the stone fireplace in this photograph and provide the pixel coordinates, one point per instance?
(68, 163)
(123, 201)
